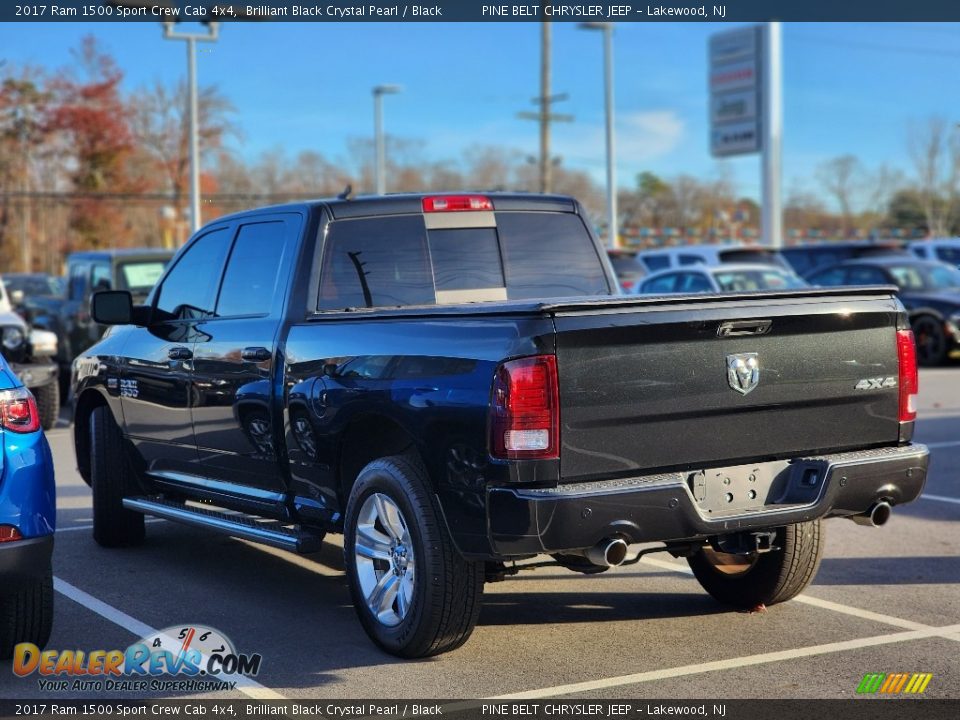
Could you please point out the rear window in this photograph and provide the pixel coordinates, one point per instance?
(396, 261)
(949, 255)
(549, 255)
(656, 262)
(770, 257)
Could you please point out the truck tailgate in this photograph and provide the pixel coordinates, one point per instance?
(670, 384)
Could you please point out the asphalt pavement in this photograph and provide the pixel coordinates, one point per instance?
(885, 600)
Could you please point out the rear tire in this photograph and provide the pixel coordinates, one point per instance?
(112, 479)
(763, 578)
(26, 615)
(48, 403)
(933, 347)
(426, 595)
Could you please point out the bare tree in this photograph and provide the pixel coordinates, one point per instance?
(842, 178)
(935, 151)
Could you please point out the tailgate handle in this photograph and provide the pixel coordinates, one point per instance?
(744, 327)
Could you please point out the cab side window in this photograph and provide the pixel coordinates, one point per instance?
(190, 289)
(660, 285)
(253, 271)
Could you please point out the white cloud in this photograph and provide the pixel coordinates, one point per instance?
(641, 137)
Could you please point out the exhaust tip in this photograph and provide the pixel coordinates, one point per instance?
(881, 514)
(876, 516)
(615, 552)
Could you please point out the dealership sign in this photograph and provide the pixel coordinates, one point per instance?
(735, 99)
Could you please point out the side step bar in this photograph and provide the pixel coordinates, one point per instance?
(248, 527)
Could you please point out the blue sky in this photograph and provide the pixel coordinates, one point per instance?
(848, 88)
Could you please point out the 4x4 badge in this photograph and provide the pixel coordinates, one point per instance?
(743, 372)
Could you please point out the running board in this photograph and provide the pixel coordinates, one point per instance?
(248, 527)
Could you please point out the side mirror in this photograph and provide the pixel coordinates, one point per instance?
(112, 307)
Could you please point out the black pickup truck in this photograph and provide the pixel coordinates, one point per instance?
(454, 383)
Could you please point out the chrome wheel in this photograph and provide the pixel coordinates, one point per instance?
(384, 557)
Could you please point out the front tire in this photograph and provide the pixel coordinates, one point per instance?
(48, 403)
(413, 592)
(112, 478)
(746, 581)
(26, 615)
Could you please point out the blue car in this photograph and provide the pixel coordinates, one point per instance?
(27, 519)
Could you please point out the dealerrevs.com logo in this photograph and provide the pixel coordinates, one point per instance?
(188, 658)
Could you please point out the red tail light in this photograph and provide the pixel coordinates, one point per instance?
(18, 411)
(525, 409)
(8, 533)
(456, 203)
(909, 382)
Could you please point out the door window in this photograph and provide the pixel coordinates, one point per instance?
(864, 275)
(253, 271)
(190, 289)
(100, 278)
(661, 285)
(78, 281)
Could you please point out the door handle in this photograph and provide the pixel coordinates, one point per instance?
(256, 354)
(179, 353)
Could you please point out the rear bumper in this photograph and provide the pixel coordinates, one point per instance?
(24, 561)
(662, 508)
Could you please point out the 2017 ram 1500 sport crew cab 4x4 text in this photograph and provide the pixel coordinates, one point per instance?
(454, 383)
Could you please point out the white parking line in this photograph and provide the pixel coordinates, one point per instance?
(940, 498)
(247, 686)
(815, 602)
(73, 528)
(947, 444)
(732, 663)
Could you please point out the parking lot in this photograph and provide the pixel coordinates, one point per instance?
(885, 600)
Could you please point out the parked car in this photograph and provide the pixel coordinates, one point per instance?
(32, 285)
(943, 249)
(396, 368)
(27, 519)
(930, 291)
(134, 270)
(733, 277)
(29, 352)
(675, 257)
(806, 258)
(627, 267)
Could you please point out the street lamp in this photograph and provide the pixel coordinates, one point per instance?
(213, 29)
(607, 29)
(379, 161)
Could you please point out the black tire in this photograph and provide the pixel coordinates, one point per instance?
(933, 347)
(447, 590)
(26, 615)
(768, 578)
(112, 478)
(63, 382)
(48, 403)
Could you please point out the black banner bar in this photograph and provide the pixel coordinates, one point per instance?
(858, 708)
(477, 11)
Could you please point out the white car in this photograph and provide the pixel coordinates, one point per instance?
(731, 277)
(674, 257)
(943, 249)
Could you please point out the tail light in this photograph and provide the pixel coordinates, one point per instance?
(456, 203)
(18, 411)
(525, 410)
(909, 383)
(8, 533)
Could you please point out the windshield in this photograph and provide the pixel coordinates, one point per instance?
(140, 277)
(926, 277)
(747, 280)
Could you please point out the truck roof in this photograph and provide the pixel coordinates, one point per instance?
(401, 203)
(111, 253)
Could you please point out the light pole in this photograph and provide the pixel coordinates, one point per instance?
(213, 29)
(380, 160)
(607, 29)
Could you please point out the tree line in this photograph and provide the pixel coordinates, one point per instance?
(85, 163)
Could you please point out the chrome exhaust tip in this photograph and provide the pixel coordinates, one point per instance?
(876, 516)
(608, 553)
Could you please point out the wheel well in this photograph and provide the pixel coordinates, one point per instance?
(366, 439)
(925, 312)
(86, 404)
